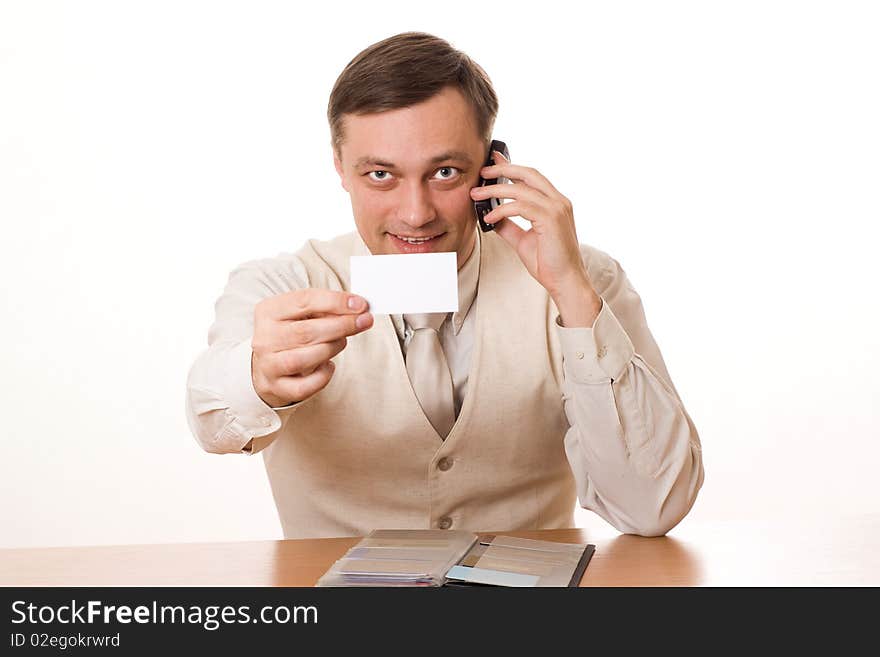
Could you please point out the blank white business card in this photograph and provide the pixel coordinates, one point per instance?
(407, 282)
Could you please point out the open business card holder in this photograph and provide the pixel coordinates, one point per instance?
(437, 557)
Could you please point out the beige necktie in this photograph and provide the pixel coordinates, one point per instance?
(428, 370)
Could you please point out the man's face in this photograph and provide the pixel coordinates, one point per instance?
(409, 172)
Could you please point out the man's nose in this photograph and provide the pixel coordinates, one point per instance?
(416, 207)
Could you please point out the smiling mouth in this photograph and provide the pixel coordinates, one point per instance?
(417, 245)
(416, 240)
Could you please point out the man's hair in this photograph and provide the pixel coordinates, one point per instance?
(404, 70)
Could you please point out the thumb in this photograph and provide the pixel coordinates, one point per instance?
(510, 232)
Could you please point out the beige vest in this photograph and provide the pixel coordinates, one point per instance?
(361, 455)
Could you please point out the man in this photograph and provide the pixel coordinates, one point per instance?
(544, 388)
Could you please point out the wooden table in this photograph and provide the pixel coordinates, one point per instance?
(827, 552)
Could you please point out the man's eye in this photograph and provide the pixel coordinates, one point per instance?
(380, 176)
(447, 173)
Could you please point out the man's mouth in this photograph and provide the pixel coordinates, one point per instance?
(415, 243)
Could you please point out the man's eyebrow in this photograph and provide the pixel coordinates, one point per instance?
(373, 160)
(459, 156)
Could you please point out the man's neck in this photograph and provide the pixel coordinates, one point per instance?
(470, 252)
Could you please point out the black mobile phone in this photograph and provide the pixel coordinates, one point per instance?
(485, 206)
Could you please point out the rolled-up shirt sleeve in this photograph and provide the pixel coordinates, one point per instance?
(633, 449)
(223, 410)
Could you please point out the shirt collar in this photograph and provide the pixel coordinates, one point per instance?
(468, 277)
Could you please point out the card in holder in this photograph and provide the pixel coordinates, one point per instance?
(521, 562)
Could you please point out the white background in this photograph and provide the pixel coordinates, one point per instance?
(725, 153)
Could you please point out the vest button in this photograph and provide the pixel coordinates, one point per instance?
(445, 463)
(445, 522)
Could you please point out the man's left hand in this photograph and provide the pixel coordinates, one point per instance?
(550, 249)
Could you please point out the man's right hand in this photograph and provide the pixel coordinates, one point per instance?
(295, 336)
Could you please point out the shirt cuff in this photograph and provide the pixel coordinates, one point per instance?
(252, 417)
(598, 354)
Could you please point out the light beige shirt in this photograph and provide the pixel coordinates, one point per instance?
(625, 417)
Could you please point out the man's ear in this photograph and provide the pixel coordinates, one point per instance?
(338, 164)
